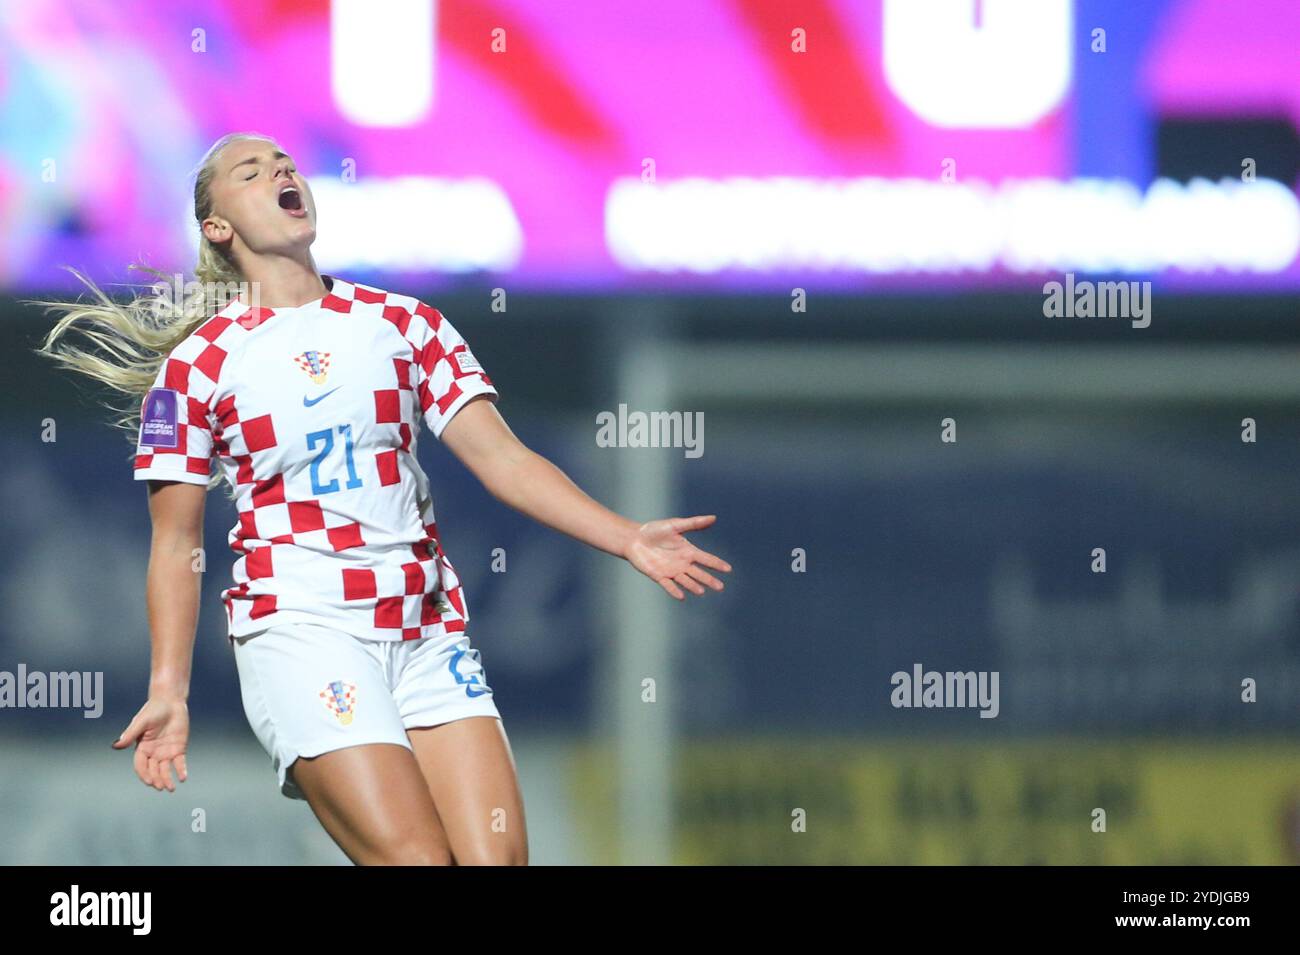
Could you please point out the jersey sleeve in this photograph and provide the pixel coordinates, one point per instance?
(175, 441)
(447, 373)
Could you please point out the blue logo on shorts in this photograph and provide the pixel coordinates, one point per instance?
(473, 680)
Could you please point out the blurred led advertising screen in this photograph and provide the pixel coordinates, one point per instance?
(680, 144)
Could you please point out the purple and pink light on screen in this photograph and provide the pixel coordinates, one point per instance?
(531, 160)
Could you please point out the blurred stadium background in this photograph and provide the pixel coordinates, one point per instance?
(825, 225)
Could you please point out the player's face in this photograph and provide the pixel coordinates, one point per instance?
(260, 201)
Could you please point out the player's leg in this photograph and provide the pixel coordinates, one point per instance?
(470, 773)
(320, 704)
(375, 804)
(455, 731)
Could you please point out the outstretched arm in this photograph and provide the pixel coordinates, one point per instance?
(520, 477)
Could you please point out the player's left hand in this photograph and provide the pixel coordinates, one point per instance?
(661, 553)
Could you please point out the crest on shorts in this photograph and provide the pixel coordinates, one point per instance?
(315, 363)
(340, 698)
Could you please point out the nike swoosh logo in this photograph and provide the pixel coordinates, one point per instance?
(308, 402)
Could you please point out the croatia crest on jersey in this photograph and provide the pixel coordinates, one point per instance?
(340, 698)
(315, 363)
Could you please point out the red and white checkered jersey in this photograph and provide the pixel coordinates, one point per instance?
(311, 414)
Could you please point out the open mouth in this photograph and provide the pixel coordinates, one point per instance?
(291, 200)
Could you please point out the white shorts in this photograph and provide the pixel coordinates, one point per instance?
(309, 689)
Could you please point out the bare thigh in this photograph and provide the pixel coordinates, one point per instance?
(470, 774)
(374, 802)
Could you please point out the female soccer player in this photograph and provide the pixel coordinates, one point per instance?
(346, 619)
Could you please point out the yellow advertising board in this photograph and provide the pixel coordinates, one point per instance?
(830, 801)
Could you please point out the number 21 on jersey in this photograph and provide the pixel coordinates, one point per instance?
(325, 441)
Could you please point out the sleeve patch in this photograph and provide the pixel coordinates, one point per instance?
(467, 362)
(158, 425)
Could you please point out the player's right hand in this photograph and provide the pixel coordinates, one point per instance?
(160, 731)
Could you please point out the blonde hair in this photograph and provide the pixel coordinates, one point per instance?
(123, 344)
